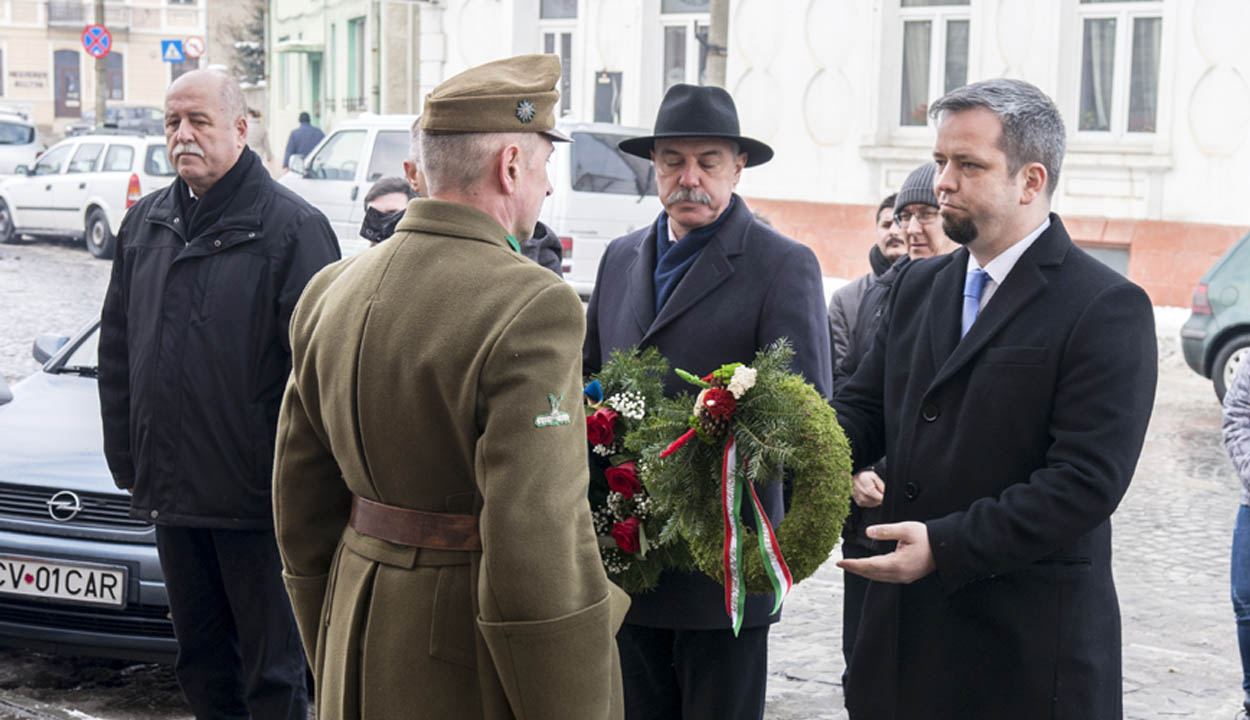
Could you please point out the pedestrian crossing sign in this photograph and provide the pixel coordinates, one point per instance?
(171, 51)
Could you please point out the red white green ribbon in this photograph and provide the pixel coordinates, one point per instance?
(733, 484)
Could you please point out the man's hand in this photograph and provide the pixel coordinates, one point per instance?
(867, 489)
(909, 562)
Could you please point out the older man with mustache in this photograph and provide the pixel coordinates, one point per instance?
(706, 284)
(194, 356)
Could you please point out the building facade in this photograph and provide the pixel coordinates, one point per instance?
(1154, 94)
(46, 73)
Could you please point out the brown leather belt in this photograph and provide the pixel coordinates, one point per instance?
(415, 528)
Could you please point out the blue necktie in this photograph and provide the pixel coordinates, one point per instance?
(974, 283)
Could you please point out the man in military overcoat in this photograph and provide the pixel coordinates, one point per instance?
(430, 488)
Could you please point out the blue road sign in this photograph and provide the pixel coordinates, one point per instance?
(171, 51)
(97, 40)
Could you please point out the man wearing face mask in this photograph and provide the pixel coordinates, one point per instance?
(384, 208)
(194, 356)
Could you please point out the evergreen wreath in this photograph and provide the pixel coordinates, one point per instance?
(638, 537)
(782, 426)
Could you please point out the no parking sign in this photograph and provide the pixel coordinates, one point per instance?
(97, 40)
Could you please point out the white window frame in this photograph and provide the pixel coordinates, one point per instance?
(690, 22)
(938, 16)
(1124, 14)
(558, 27)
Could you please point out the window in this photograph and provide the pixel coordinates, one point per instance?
(85, 158)
(338, 158)
(186, 66)
(685, 41)
(599, 166)
(114, 76)
(331, 80)
(561, 43)
(935, 55)
(390, 150)
(12, 133)
(355, 99)
(558, 10)
(50, 163)
(1120, 43)
(118, 158)
(157, 162)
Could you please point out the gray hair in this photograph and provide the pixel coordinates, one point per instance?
(233, 103)
(458, 161)
(1032, 126)
(414, 143)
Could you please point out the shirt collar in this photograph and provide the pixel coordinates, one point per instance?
(672, 236)
(998, 268)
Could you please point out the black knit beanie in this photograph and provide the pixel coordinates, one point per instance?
(917, 188)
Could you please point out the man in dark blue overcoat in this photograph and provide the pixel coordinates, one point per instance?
(1010, 383)
(707, 284)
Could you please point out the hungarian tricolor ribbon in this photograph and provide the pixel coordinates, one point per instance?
(733, 486)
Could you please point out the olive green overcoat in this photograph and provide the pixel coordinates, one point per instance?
(441, 371)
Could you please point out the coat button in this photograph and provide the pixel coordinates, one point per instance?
(154, 513)
(251, 235)
(929, 412)
(177, 220)
(911, 491)
(216, 243)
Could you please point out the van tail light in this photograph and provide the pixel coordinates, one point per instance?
(567, 244)
(1202, 305)
(132, 191)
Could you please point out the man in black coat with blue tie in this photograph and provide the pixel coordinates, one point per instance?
(1010, 383)
(706, 284)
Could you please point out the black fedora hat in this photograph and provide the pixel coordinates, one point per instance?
(698, 111)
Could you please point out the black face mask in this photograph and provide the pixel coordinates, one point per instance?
(378, 226)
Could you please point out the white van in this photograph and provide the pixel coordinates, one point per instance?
(598, 192)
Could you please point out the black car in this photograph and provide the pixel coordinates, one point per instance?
(77, 573)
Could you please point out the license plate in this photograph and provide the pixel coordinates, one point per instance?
(57, 580)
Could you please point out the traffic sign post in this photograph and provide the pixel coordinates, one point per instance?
(97, 40)
(171, 51)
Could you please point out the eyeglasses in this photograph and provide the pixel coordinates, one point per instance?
(925, 216)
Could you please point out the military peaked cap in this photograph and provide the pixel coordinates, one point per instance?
(517, 94)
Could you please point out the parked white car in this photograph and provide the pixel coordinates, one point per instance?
(599, 192)
(337, 174)
(19, 142)
(81, 188)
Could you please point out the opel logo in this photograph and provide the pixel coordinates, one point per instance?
(64, 506)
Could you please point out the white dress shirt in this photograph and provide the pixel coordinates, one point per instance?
(999, 267)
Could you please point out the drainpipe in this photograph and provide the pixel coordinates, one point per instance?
(377, 56)
(717, 41)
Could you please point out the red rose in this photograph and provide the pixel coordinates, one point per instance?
(599, 427)
(625, 533)
(623, 479)
(719, 403)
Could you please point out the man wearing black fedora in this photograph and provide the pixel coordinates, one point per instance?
(706, 284)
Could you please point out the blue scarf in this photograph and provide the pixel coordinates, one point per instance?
(672, 260)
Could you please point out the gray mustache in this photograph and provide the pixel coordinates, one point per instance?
(688, 195)
(182, 148)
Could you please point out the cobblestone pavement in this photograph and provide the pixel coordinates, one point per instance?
(1171, 534)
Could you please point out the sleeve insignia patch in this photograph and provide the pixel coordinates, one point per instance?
(556, 416)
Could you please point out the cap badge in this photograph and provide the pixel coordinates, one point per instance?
(524, 111)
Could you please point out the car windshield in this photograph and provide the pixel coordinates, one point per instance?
(16, 134)
(599, 166)
(157, 162)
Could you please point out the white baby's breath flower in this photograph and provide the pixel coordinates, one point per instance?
(742, 380)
